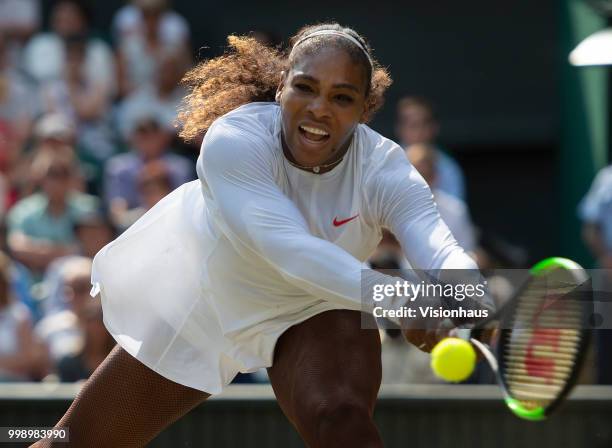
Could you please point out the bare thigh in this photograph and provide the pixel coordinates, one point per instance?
(328, 368)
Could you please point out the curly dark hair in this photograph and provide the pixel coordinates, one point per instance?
(251, 71)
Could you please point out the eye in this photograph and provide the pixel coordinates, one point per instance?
(303, 87)
(344, 99)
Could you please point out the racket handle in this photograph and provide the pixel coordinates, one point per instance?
(486, 353)
(463, 333)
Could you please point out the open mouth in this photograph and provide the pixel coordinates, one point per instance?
(313, 134)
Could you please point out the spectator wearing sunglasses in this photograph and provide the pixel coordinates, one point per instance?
(41, 226)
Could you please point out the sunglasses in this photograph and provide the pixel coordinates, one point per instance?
(147, 128)
(58, 174)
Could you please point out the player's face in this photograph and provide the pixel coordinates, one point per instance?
(322, 99)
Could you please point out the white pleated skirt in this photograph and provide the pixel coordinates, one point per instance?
(152, 281)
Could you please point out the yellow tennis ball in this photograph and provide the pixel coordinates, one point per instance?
(453, 359)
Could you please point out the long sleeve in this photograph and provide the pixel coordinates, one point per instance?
(404, 204)
(236, 166)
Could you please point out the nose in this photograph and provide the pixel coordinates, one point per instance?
(319, 107)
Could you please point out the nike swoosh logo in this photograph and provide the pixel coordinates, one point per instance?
(338, 223)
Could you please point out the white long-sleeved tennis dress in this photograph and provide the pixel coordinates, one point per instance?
(203, 285)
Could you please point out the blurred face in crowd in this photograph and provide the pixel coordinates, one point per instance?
(67, 19)
(150, 140)
(322, 99)
(62, 144)
(57, 182)
(93, 236)
(76, 291)
(423, 159)
(416, 125)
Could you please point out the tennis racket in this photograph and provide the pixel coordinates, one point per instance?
(542, 338)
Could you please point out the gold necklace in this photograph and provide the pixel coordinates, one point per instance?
(315, 169)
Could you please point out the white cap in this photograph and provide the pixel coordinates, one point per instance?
(55, 125)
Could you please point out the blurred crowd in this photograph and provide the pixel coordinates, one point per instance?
(88, 144)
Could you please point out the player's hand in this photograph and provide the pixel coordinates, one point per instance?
(427, 335)
(425, 339)
(425, 332)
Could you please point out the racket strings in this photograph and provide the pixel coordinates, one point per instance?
(541, 349)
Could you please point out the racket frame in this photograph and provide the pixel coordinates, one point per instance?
(541, 412)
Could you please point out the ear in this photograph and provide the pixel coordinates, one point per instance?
(366, 112)
(281, 86)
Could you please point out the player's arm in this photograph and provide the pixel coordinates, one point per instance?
(403, 203)
(253, 210)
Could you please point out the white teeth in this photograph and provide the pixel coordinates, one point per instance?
(314, 130)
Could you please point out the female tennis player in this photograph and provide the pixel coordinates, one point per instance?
(259, 262)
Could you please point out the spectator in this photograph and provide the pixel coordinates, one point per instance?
(416, 123)
(53, 133)
(60, 327)
(45, 56)
(154, 183)
(150, 141)
(454, 211)
(144, 38)
(41, 226)
(163, 96)
(96, 345)
(22, 356)
(595, 210)
(83, 101)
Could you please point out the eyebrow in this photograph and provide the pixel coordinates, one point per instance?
(344, 85)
